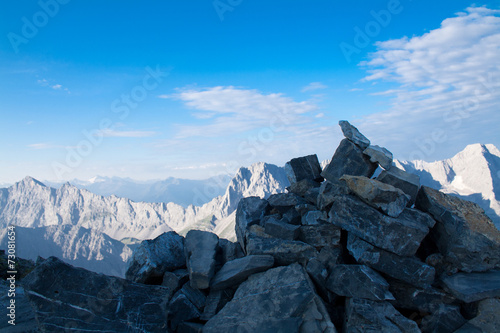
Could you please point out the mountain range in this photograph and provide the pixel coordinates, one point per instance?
(89, 230)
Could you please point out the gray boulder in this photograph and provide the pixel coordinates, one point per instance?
(285, 201)
(407, 269)
(487, 319)
(325, 234)
(363, 315)
(379, 155)
(446, 319)
(401, 235)
(283, 230)
(155, 257)
(301, 187)
(236, 271)
(349, 160)
(216, 300)
(388, 199)
(281, 299)
(409, 183)
(201, 248)
(358, 281)
(180, 309)
(285, 252)
(465, 236)
(314, 217)
(74, 299)
(301, 168)
(328, 191)
(353, 134)
(249, 212)
(471, 287)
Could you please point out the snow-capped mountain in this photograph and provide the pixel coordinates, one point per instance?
(43, 214)
(183, 192)
(473, 174)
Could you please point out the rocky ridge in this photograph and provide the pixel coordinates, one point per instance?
(339, 251)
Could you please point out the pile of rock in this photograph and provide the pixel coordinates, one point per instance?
(339, 251)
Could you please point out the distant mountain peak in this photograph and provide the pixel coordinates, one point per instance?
(29, 181)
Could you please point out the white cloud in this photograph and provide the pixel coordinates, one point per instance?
(56, 86)
(41, 145)
(448, 82)
(109, 133)
(314, 86)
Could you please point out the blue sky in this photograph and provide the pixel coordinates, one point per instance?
(194, 88)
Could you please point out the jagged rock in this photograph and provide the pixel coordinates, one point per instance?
(318, 273)
(181, 309)
(314, 217)
(201, 248)
(465, 236)
(230, 250)
(216, 300)
(407, 182)
(385, 197)
(172, 281)
(281, 299)
(471, 287)
(325, 234)
(401, 235)
(285, 252)
(249, 212)
(328, 191)
(358, 281)
(236, 271)
(379, 155)
(311, 196)
(284, 201)
(155, 257)
(446, 319)
(353, 134)
(413, 298)
(257, 231)
(303, 209)
(195, 296)
(301, 168)
(407, 269)
(487, 320)
(301, 187)
(283, 230)
(292, 216)
(330, 256)
(348, 160)
(65, 297)
(363, 315)
(187, 327)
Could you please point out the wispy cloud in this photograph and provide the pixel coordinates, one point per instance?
(448, 82)
(109, 133)
(314, 86)
(54, 86)
(41, 145)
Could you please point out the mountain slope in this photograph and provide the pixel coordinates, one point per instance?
(473, 174)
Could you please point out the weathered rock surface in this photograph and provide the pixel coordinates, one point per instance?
(283, 230)
(236, 271)
(471, 287)
(401, 235)
(216, 300)
(358, 281)
(315, 217)
(407, 182)
(301, 187)
(249, 212)
(328, 191)
(155, 257)
(301, 168)
(284, 201)
(281, 299)
(285, 252)
(447, 319)
(22, 314)
(325, 234)
(353, 134)
(487, 320)
(465, 236)
(74, 299)
(363, 315)
(390, 200)
(181, 309)
(201, 248)
(407, 269)
(348, 160)
(379, 155)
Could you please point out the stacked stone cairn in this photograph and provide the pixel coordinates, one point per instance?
(340, 251)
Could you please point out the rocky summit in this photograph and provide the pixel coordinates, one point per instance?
(338, 252)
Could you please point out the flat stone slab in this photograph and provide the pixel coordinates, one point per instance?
(465, 236)
(283, 230)
(236, 271)
(407, 269)
(285, 252)
(363, 315)
(401, 235)
(379, 155)
(301, 168)
(471, 287)
(358, 281)
(281, 299)
(353, 134)
(348, 160)
(388, 199)
(325, 234)
(201, 248)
